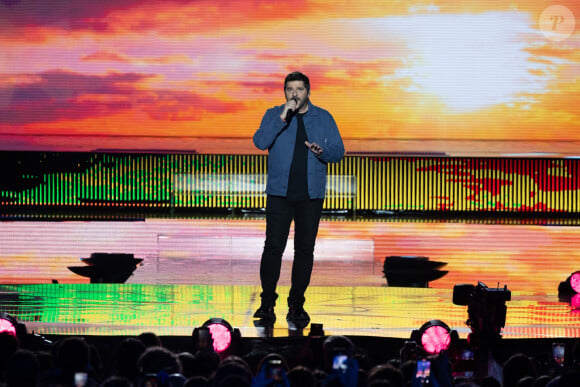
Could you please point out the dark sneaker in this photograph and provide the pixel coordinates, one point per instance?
(297, 316)
(265, 312)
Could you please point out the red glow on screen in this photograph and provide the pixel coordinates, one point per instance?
(222, 337)
(435, 339)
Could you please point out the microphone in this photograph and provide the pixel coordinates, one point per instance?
(291, 113)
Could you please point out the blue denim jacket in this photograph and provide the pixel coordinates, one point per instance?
(279, 137)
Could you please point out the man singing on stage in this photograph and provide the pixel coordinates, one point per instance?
(301, 139)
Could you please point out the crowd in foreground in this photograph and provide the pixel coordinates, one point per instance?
(322, 361)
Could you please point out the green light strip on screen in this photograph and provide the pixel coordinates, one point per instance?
(120, 304)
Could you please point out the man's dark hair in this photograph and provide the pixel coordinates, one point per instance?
(297, 76)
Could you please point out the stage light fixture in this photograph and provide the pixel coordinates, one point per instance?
(7, 326)
(412, 271)
(569, 290)
(434, 336)
(575, 281)
(219, 334)
(109, 268)
(10, 325)
(571, 286)
(486, 311)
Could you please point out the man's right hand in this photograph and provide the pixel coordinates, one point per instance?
(290, 106)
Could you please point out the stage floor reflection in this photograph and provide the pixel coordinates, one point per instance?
(196, 269)
(175, 310)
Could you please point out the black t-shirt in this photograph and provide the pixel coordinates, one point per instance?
(298, 179)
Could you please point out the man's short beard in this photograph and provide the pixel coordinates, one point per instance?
(302, 104)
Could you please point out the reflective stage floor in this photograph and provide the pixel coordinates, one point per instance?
(174, 310)
(198, 268)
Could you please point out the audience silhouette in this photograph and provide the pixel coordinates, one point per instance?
(143, 361)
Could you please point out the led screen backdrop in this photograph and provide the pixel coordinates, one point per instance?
(168, 182)
(444, 75)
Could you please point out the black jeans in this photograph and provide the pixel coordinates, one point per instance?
(279, 215)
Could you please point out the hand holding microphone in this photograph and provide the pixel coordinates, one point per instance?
(290, 109)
